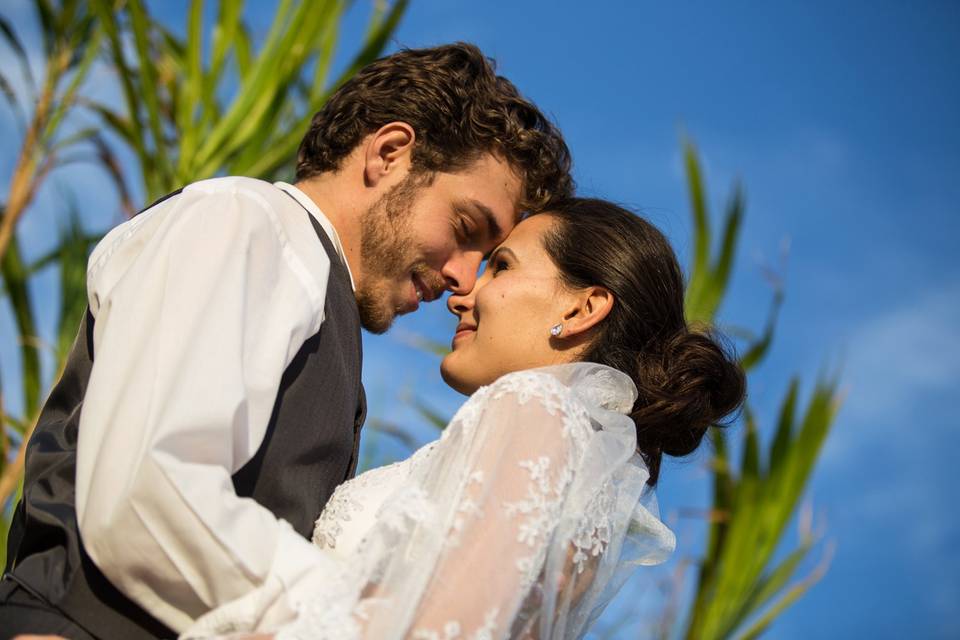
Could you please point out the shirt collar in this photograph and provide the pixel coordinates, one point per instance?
(325, 223)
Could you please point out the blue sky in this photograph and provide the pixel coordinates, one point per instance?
(841, 121)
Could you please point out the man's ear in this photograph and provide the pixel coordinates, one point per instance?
(388, 152)
(590, 307)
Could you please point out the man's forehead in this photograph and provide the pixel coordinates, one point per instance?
(489, 189)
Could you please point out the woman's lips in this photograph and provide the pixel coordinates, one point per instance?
(463, 330)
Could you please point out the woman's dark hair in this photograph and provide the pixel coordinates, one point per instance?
(459, 108)
(686, 379)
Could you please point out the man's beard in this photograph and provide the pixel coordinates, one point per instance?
(387, 252)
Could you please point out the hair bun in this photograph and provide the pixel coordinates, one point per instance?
(692, 384)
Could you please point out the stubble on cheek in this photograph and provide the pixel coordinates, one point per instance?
(387, 251)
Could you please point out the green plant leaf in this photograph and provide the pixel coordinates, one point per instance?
(10, 35)
(141, 27)
(774, 582)
(129, 127)
(751, 451)
(15, 108)
(758, 350)
(116, 122)
(243, 53)
(227, 36)
(787, 599)
(736, 583)
(83, 135)
(699, 273)
(87, 50)
(257, 92)
(192, 84)
(18, 294)
(720, 272)
(73, 251)
(284, 148)
(781, 442)
(48, 24)
(394, 431)
(433, 416)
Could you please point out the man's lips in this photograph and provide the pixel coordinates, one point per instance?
(423, 291)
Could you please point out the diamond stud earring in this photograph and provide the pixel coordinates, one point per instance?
(556, 329)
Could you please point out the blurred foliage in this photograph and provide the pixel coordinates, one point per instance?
(70, 40)
(240, 110)
(191, 110)
(740, 588)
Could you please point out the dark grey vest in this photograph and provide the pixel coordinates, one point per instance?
(310, 447)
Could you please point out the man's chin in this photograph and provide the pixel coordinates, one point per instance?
(374, 318)
(377, 324)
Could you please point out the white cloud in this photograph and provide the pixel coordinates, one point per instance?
(904, 354)
(897, 430)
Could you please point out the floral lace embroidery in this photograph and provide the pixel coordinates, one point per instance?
(343, 505)
(593, 530)
(332, 618)
(466, 510)
(553, 396)
(538, 511)
(453, 631)
(338, 510)
(406, 507)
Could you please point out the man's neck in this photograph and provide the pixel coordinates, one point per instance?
(332, 197)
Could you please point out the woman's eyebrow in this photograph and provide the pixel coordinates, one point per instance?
(501, 249)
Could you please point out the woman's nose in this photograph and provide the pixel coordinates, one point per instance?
(460, 303)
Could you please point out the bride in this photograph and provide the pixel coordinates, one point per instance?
(524, 518)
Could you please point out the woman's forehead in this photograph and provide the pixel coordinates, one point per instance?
(529, 231)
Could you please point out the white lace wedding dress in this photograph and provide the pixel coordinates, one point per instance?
(521, 521)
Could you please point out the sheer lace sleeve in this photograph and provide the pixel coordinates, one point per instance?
(514, 527)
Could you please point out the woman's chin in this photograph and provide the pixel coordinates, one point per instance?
(453, 376)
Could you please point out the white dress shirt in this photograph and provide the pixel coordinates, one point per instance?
(200, 304)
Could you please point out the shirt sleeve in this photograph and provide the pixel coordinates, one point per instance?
(200, 305)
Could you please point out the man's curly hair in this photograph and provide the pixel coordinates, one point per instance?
(459, 108)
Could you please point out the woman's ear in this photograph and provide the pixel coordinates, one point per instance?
(590, 307)
(388, 152)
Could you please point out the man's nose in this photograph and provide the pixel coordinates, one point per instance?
(460, 272)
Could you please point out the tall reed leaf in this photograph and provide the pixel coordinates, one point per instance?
(237, 109)
(738, 581)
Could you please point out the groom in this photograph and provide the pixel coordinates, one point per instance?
(212, 401)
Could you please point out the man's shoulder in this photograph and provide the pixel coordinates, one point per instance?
(249, 204)
(235, 185)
